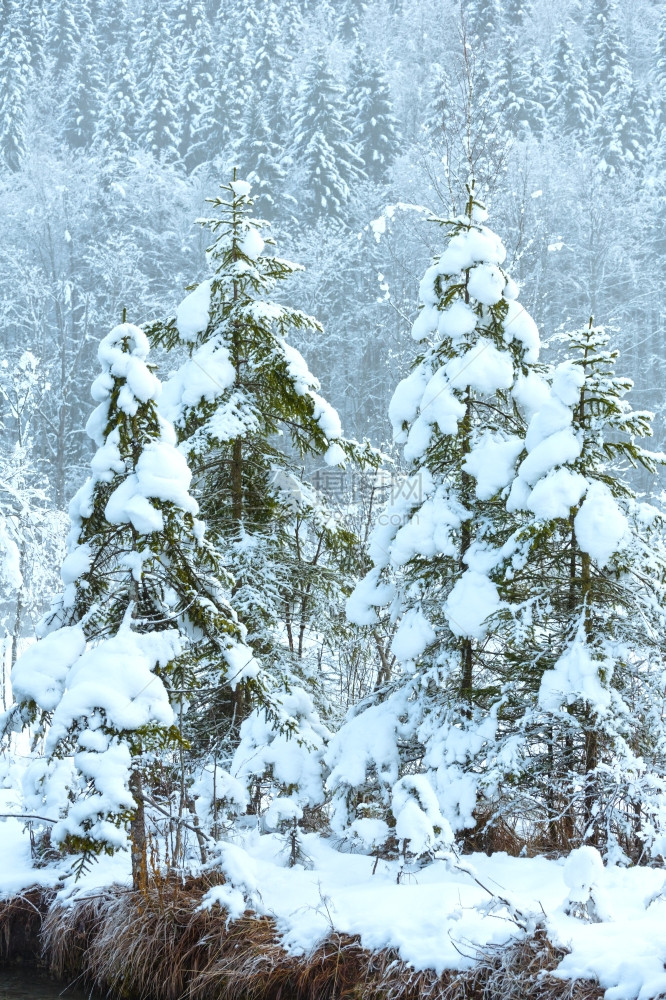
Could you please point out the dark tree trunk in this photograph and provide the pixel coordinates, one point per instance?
(138, 834)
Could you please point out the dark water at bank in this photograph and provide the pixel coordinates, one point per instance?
(32, 984)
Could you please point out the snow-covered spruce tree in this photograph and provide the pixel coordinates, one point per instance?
(196, 58)
(120, 114)
(414, 752)
(271, 56)
(597, 15)
(114, 22)
(515, 14)
(349, 15)
(261, 158)
(247, 412)
(610, 71)
(266, 118)
(217, 127)
(374, 125)
(539, 95)
(82, 107)
(63, 39)
(508, 85)
(155, 31)
(484, 19)
(14, 75)
(323, 143)
(660, 69)
(34, 25)
(143, 623)
(571, 110)
(582, 631)
(160, 125)
(623, 126)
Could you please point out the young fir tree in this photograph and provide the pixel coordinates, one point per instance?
(416, 748)
(143, 624)
(247, 412)
(582, 629)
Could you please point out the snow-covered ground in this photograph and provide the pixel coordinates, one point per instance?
(439, 917)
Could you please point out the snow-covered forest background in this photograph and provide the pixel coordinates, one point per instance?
(119, 119)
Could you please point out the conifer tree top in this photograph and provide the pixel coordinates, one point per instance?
(583, 438)
(123, 354)
(244, 380)
(478, 337)
(133, 441)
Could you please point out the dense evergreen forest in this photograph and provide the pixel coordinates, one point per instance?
(408, 615)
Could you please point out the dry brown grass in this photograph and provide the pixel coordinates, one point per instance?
(524, 972)
(492, 836)
(20, 925)
(68, 931)
(159, 945)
